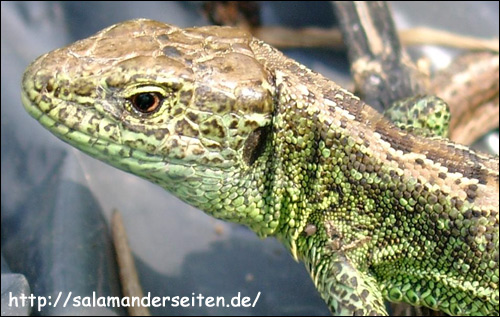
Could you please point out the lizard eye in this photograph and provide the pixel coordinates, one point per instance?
(146, 102)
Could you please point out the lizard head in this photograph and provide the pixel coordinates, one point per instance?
(188, 109)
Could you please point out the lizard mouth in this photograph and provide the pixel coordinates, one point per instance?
(162, 171)
(91, 144)
(98, 129)
(48, 110)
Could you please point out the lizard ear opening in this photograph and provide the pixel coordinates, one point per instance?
(255, 144)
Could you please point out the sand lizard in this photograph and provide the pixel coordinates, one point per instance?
(235, 128)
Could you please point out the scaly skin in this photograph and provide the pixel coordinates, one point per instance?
(235, 128)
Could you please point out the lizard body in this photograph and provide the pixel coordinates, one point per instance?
(233, 127)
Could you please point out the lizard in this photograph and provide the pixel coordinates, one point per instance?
(233, 127)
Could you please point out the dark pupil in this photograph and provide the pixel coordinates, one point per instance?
(145, 102)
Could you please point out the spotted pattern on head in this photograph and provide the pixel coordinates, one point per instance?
(212, 121)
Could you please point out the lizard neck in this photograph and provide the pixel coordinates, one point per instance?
(355, 193)
(310, 142)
